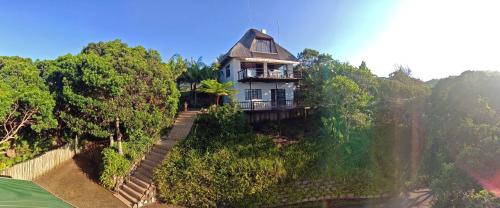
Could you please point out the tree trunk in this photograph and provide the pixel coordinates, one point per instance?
(76, 143)
(118, 135)
(11, 152)
(192, 94)
(111, 140)
(195, 96)
(217, 100)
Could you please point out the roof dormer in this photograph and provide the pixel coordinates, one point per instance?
(256, 44)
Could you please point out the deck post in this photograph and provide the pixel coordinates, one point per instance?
(251, 102)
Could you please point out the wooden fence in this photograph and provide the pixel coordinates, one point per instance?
(35, 167)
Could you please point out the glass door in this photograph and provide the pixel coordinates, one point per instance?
(278, 97)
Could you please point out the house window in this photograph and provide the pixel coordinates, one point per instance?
(253, 94)
(263, 45)
(228, 71)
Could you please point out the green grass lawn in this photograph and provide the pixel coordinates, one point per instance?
(20, 193)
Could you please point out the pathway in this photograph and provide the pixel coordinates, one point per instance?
(70, 182)
(138, 189)
(76, 180)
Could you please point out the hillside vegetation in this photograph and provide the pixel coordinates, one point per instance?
(369, 134)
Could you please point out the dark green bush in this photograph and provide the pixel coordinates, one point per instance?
(222, 165)
(24, 151)
(114, 166)
(117, 166)
(216, 126)
(222, 178)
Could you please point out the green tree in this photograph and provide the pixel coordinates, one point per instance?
(398, 131)
(463, 138)
(113, 91)
(216, 88)
(25, 101)
(196, 72)
(345, 107)
(86, 86)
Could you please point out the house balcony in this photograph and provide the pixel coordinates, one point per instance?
(259, 75)
(267, 105)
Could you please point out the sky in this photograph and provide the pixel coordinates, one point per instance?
(434, 38)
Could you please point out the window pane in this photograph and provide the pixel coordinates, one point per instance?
(253, 94)
(263, 46)
(247, 94)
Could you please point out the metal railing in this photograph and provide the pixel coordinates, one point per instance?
(271, 74)
(266, 105)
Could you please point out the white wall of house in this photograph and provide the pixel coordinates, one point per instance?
(266, 90)
(235, 67)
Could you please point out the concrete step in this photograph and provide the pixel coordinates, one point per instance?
(129, 198)
(143, 177)
(156, 155)
(147, 166)
(146, 172)
(150, 163)
(136, 187)
(159, 150)
(124, 200)
(141, 183)
(154, 159)
(130, 191)
(165, 145)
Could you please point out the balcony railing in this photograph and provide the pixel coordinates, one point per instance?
(266, 105)
(270, 74)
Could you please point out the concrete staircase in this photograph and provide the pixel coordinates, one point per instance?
(138, 189)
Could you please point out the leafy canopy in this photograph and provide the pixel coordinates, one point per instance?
(216, 88)
(25, 101)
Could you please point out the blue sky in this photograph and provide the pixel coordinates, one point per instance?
(355, 30)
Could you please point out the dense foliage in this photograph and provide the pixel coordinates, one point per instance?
(369, 134)
(112, 91)
(398, 131)
(25, 105)
(196, 71)
(345, 101)
(222, 165)
(463, 141)
(212, 86)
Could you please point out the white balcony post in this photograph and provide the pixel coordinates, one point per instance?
(265, 70)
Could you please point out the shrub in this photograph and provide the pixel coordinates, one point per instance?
(24, 151)
(227, 177)
(114, 166)
(221, 164)
(218, 125)
(117, 166)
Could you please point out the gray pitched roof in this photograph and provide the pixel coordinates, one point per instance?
(244, 48)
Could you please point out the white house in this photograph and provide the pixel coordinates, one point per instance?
(262, 72)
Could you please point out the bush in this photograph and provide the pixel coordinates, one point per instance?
(227, 177)
(222, 165)
(216, 126)
(117, 166)
(24, 151)
(114, 167)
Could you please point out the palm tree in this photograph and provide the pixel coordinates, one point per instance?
(212, 86)
(196, 72)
